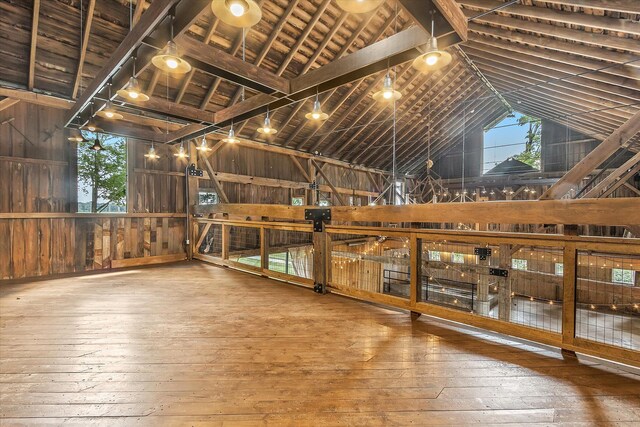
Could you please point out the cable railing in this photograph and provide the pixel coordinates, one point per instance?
(578, 293)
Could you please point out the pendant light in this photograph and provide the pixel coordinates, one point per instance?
(108, 112)
(433, 59)
(317, 114)
(266, 128)
(76, 136)
(203, 145)
(182, 153)
(237, 13)
(97, 146)
(168, 59)
(151, 154)
(132, 91)
(388, 93)
(91, 125)
(359, 6)
(231, 136)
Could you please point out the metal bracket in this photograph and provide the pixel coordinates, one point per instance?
(193, 171)
(498, 272)
(483, 253)
(318, 216)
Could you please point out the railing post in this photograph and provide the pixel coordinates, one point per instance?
(264, 249)
(415, 253)
(225, 241)
(569, 289)
(504, 284)
(320, 257)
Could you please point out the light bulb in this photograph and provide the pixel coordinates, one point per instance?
(172, 63)
(387, 94)
(133, 94)
(432, 59)
(236, 9)
(109, 114)
(267, 129)
(315, 115)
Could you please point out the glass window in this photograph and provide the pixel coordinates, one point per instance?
(207, 198)
(457, 258)
(102, 174)
(559, 269)
(622, 276)
(297, 201)
(519, 264)
(434, 255)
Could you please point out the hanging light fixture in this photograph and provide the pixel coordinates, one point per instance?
(317, 114)
(358, 6)
(132, 91)
(231, 136)
(203, 145)
(108, 112)
(388, 93)
(433, 59)
(76, 136)
(168, 59)
(151, 154)
(91, 125)
(237, 13)
(266, 128)
(97, 146)
(182, 153)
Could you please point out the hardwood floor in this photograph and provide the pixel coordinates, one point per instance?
(193, 344)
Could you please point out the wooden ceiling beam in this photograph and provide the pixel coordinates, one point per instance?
(171, 109)
(593, 39)
(36, 98)
(618, 139)
(624, 6)
(147, 24)
(35, 17)
(546, 14)
(138, 11)
(449, 20)
(83, 48)
(617, 174)
(7, 103)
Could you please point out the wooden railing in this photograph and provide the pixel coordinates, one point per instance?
(575, 292)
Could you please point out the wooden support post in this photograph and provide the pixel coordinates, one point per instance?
(320, 258)
(415, 253)
(264, 249)
(131, 182)
(484, 280)
(504, 284)
(225, 240)
(569, 288)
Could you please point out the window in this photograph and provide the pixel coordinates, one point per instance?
(434, 255)
(207, 198)
(622, 276)
(516, 137)
(102, 174)
(519, 264)
(559, 269)
(399, 193)
(297, 201)
(324, 202)
(457, 258)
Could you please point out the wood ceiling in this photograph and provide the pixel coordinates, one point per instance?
(546, 58)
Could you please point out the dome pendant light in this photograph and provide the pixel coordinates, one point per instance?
(203, 145)
(108, 112)
(237, 13)
(231, 136)
(359, 6)
(168, 59)
(388, 93)
(266, 128)
(182, 153)
(151, 154)
(132, 91)
(97, 146)
(76, 136)
(91, 125)
(433, 59)
(317, 114)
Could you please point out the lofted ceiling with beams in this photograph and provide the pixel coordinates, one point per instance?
(552, 59)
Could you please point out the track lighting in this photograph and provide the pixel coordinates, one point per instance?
(266, 128)
(231, 136)
(359, 6)
(237, 13)
(317, 113)
(433, 59)
(203, 145)
(97, 146)
(151, 154)
(108, 112)
(388, 93)
(182, 153)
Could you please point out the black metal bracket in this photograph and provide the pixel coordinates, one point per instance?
(193, 171)
(318, 216)
(498, 272)
(483, 253)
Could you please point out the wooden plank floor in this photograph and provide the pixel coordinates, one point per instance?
(193, 344)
